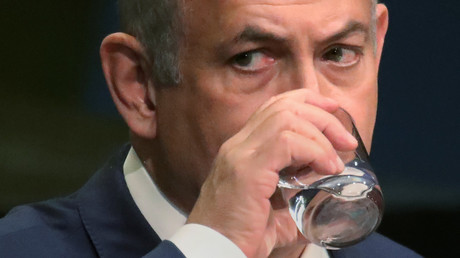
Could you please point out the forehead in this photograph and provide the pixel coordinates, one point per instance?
(228, 5)
(218, 14)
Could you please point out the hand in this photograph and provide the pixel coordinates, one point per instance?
(292, 129)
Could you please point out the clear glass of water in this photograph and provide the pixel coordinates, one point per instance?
(335, 211)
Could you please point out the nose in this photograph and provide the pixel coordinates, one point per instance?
(307, 75)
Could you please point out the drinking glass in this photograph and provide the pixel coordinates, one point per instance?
(335, 211)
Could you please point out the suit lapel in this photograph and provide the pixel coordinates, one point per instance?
(114, 223)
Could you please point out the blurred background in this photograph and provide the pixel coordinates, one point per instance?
(58, 124)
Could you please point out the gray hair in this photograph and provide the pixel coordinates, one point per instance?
(158, 26)
(374, 24)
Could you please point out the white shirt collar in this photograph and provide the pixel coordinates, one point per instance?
(162, 216)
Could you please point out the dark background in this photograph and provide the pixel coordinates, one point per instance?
(58, 124)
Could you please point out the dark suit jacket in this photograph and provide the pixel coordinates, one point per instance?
(102, 220)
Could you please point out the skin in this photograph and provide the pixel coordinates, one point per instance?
(260, 81)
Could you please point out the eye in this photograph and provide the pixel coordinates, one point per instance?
(252, 61)
(342, 56)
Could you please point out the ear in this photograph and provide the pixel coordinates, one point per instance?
(127, 74)
(382, 27)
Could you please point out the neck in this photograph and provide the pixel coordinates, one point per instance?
(174, 186)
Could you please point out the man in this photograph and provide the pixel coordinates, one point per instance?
(219, 97)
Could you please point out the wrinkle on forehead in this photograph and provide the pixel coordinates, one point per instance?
(273, 2)
(227, 3)
(224, 4)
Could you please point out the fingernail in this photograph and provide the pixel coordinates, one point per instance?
(340, 165)
(352, 139)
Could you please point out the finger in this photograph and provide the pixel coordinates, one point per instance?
(289, 148)
(325, 122)
(304, 96)
(283, 122)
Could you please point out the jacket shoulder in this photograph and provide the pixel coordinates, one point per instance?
(53, 228)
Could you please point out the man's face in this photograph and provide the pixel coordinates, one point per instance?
(239, 53)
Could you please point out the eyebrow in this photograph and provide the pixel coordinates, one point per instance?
(350, 28)
(256, 34)
(251, 34)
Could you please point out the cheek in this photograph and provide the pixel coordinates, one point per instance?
(221, 116)
(225, 102)
(366, 126)
(356, 92)
(364, 109)
(361, 102)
